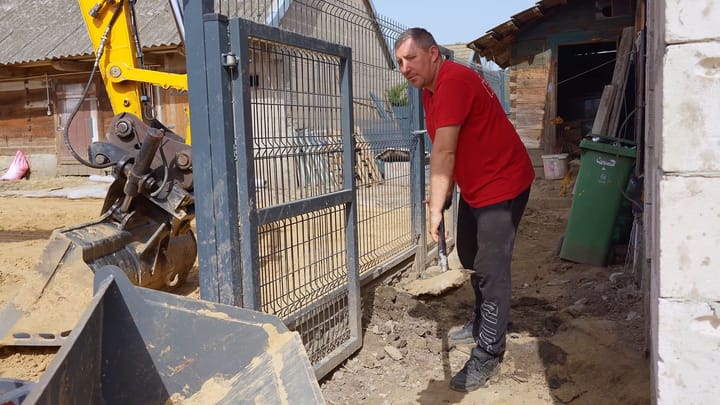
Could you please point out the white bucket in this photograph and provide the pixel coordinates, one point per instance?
(555, 166)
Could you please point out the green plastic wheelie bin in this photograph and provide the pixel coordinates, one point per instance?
(605, 166)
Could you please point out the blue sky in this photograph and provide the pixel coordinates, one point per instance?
(452, 21)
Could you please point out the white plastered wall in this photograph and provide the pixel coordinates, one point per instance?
(683, 191)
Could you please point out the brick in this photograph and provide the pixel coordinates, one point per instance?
(691, 123)
(691, 20)
(689, 237)
(688, 343)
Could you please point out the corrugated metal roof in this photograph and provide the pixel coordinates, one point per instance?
(494, 45)
(34, 30)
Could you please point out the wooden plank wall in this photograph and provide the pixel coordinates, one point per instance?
(528, 92)
(608, 114)
(531, 77)
(24, 123)
(172, 105)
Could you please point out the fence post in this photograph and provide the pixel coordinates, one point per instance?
(214, 176)
(351, 231)
(417, 177)
(243, 133)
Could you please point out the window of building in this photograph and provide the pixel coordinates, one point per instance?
(612, 8)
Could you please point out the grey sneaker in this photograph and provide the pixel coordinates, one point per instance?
(462, 335)
(476, 372)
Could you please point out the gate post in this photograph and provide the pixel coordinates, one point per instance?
(247, 200)
(213, 154)
(417, 177)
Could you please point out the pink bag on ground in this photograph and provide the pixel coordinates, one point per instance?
(17, 169)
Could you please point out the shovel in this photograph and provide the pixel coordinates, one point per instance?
(442, 245)
(437, 279)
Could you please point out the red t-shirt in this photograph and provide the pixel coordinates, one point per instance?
(491, 162)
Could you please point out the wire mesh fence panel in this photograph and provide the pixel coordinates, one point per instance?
(294, 135)
(297, 142)
(325, 173)
(381, 110)
(302, 259)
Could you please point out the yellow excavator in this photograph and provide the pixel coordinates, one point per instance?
(143, 235)
(145, 225)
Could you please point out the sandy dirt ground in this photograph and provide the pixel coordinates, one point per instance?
(575, 336)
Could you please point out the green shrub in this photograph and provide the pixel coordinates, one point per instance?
(397, 95)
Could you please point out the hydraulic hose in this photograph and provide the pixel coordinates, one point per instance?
(98, 55)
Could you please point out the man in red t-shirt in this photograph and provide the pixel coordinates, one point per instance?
(477, 147)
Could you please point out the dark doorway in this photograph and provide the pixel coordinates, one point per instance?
(583, 71)
(83, 131)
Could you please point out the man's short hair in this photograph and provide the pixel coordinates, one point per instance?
(421, 36)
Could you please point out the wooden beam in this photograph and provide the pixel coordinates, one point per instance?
(620, 77)
(71, 66)
(554, 3)
(549, 141)
(602, 117)
(8, 72)
(22, 85)
(640, 101)
(28, 149)
(506, 29)
(155, 59)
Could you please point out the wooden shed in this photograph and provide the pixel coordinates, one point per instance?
(561, 54)
(45, 64)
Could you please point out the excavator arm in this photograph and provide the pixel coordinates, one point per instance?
(145, 223)
(181, 349)
(111, 26)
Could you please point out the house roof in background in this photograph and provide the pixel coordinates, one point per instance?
(34, 30)
(461, 51)
(37, 30)
(495, 44)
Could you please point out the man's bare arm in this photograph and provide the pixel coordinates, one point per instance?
(442, 166)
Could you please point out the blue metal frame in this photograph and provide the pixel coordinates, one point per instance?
(228, 219)
(213, 154)
(252, 217)
(417, 177)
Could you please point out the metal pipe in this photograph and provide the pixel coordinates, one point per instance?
(179, 19)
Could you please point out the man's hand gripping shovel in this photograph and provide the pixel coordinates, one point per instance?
(442, 242)
(436, 280)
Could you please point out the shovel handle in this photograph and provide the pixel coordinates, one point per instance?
(442, 245)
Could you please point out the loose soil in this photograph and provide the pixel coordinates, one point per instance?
(576, 333)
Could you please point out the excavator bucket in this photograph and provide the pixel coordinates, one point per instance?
(59, 289)
(52, 299)
(136, 345)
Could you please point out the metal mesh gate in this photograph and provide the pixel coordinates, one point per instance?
(290, 203)
(307, 181)
(390, 218)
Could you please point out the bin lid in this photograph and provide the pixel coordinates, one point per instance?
(611, 149)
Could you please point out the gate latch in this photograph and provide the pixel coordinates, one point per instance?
(229, 59)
